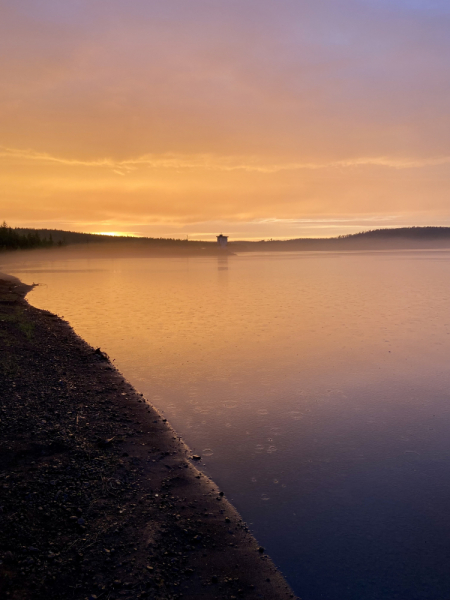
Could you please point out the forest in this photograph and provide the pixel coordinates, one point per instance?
(11, 239)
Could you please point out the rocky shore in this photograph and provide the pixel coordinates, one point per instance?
(98, 496)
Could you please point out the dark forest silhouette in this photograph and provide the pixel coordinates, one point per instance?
(14, 239)
(377, 239)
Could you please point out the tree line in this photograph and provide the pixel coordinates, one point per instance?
(10, 239)
(427, 232)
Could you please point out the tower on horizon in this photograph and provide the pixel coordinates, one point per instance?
(222, 240)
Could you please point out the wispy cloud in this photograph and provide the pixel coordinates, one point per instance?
(340, 220)
(220, 163)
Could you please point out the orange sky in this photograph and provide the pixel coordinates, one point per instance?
(258, 118)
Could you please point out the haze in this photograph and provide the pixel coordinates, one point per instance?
(256, 118)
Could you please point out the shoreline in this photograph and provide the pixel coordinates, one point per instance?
(100, 497)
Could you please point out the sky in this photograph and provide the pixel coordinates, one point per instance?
(255, 118)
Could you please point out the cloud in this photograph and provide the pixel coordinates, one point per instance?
(220, 163)
(257, 109)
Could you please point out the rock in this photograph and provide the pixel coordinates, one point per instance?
(101, 355)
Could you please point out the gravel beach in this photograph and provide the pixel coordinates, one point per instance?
(99, 498)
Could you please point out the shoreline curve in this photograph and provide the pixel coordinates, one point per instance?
(100, 497)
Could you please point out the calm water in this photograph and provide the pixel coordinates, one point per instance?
(316, 387)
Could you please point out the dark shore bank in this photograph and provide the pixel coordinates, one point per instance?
(98, 496)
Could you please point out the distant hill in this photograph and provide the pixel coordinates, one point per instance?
(100, 245)
(402, 232)
(376, 239)
(75, 244)
(74, 237)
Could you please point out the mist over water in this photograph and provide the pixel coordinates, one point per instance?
(315, 386)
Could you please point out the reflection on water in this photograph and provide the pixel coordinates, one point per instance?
(315, 387)
(222, 263)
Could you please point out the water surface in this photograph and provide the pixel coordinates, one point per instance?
(315, 387)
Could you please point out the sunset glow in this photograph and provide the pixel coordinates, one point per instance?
(224, 299)
(114, 233)
(266, 119)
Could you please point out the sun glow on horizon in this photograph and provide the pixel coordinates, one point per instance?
(116, 233)
(265, 117)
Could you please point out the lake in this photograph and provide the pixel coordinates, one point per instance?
(315, 386)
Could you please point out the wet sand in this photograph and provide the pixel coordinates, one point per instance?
(99, 497)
